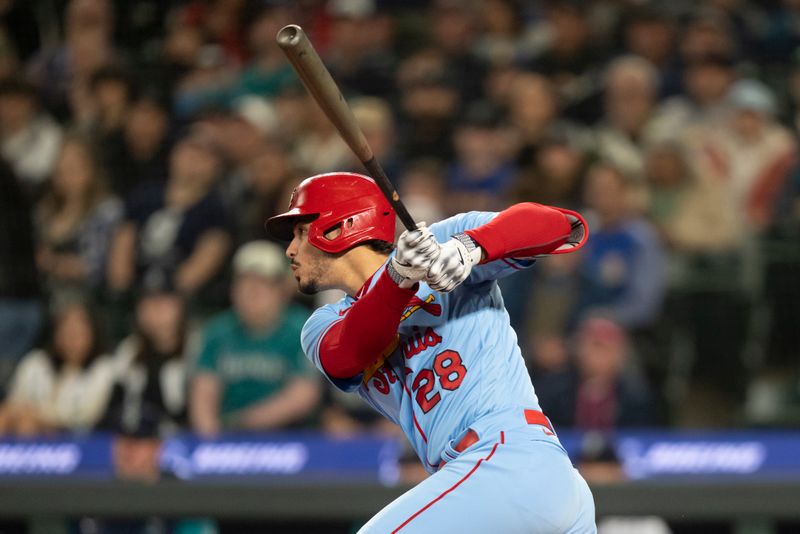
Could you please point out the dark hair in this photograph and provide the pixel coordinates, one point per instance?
(625, 180)
(146, 350)
(18, 87)
(380, 246)
(98, 346)
(113, 74)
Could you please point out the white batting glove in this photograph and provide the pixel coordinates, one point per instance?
(416, 251)
(454, 263)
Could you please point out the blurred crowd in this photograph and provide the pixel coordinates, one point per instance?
(145, 143)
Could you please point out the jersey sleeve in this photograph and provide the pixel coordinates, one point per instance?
(313, 331)
(493, 270)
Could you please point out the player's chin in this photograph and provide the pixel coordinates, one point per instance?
(307, 287)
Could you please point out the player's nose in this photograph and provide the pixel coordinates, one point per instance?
(291, 250)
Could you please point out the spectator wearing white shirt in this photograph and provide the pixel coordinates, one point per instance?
(30, 140)
(63, 387)
(631, 93)
(751, 157)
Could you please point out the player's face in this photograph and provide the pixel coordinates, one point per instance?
(310, 266)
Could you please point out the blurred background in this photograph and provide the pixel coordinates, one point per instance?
(145, 318)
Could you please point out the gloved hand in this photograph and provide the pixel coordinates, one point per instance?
(416, 252)
(454, 263)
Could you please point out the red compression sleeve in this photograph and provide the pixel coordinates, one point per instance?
(367, 328)
(523, 231)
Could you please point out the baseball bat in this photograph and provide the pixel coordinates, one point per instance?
(319, 83)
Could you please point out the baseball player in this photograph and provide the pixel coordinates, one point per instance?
(422, 336)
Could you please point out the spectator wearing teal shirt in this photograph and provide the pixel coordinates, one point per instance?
(251, 373)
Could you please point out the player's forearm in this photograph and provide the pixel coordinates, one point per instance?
(289, 405)
(204, 262)
(524, 231)
(204, 405)
(368, 327)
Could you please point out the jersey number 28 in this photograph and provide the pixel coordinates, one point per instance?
(448, 367)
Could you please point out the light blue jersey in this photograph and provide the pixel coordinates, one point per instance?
(456, 363)
(456, 370)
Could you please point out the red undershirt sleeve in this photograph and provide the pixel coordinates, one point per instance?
(523, 231)
(369, 326)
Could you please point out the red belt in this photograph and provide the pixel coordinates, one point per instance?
(532, 417)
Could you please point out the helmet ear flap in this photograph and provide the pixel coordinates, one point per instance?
(335, 231)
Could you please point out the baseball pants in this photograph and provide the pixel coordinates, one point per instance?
(518, 481)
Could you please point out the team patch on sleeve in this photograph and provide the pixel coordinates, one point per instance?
(374, 366)
(417, 304)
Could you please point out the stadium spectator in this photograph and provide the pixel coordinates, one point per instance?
(650, 32)
(538, 299)
(452, 30)
(423, 190)
(148, 399)
(622, 271)
(64, 386)
(707, 32)
(63, 72)
(29, 137)
(631, 91)
(138, 153)
(181, 51)
(532, 112)
(429, 103)
(357, 47)
(556, 174)
(112, 91)
(374, 116)
(241, 135)
(221, 22)
(201, 86)
(608, 395)
(75, 220)
(251, 373)
(21, 310)
(320, 148)
(266, 72)
(752, 155)
(553, 375)
(266, 175)
(685, 210)
(483, 170)
(706, 82)
(599, 391)
(504, 37)
(571, 59)
(175, 233)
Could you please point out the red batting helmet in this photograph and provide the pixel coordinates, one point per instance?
(343, 200)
